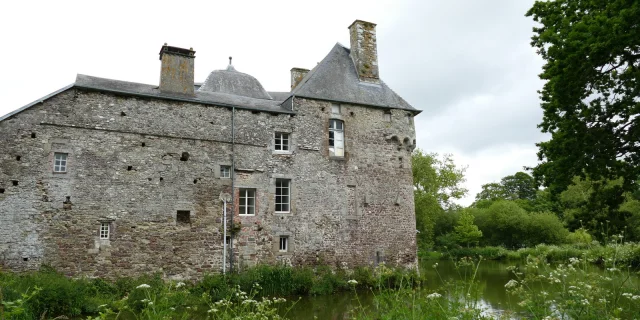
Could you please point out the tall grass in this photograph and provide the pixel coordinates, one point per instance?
(50, 294)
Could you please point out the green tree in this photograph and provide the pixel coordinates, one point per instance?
(590, 100)
(519, 186)
(465, 231)
(437, 182)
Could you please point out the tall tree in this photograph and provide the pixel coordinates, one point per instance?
(437, 182)
(590, 98)
(466, 232)
(519, 186)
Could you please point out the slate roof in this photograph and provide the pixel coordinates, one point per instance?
(335, 78)
(231, 81)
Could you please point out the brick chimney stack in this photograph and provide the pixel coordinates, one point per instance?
(176, 71)
(364, 50)
(296, 76)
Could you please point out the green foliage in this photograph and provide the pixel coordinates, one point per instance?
(466, 232)
(589, 99)
(505, 223)
(579, 237)
(437, 182)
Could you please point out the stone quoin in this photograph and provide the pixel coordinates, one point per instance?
(111, 178)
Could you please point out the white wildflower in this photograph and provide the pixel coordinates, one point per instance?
(352, 282)
(143, 286)
(102, 306)
(585, 302)
(434, 295)
(511, 284)
(180, 284)
(435, 265)
(635, 297)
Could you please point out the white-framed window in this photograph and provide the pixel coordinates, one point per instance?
(104, 230)
(282, 141)
(284, 244)
(335, 108)
(60, 162)
(387, 116)
(283, 195)
(225, 171)
(247, 202)
(336, 138)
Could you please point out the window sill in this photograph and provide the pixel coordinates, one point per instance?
(59, 172)
(282, 153)
(246, 215)
(337, 158)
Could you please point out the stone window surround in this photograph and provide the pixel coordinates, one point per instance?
(276, 243)
(60, 162)
(292, 141)
(216, 171)
(59, 146)
(112, 232)
(105, 228)
(288, 195)
(272, 193)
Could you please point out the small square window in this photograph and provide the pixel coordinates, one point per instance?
(104, 230)
(225, 171)
(387, 116)
(282, 141)
(60, 162)
(335, 108)
(283, 195)
(247, 202)
(183, 216)
(284, 244)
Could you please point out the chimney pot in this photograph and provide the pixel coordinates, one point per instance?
(364, 51)
(297, 74)
(176, 71)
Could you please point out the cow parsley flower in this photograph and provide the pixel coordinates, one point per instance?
(434, 295)
(143, 286)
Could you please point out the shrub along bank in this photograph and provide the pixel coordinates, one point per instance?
(48, 294)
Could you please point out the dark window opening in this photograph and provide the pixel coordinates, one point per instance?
(129, 168)
(183, 216)
(149, 179)
(378, 257)
(227, 240)
(14, 182)
(18, 158)
(185, 156)
(25, 259)
(351, 113)
(1, 190)
(33, 135)
(401, 163)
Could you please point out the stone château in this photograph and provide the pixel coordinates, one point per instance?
(114, 178)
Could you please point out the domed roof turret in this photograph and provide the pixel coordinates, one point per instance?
(234, 82)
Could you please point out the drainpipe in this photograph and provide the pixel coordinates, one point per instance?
(224, 237)
(233, 181)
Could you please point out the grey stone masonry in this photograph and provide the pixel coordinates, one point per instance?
(110, 183)
(364, 50)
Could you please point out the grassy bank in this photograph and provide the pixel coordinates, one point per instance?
(537, 290)
(48, 294)
(627, 253)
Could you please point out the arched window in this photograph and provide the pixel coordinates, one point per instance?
(336, 138)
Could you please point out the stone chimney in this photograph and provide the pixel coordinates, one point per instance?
(296, 76)
(176, 72)
(364, 50)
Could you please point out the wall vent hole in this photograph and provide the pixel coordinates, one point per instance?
(161, 179)
(25, 259)
(185, 156)
(122, 113)
(129, 168)
(14, 182)
(183, 216)
(149, 179)
(33, 135)
(351, 113)
(18, 158)
(1, 190)
(144, 144)
(195, 181)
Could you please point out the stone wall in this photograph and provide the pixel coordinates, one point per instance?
(127, 168)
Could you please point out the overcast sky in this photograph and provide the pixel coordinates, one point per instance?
(467, 64)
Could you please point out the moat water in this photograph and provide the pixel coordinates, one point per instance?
(491, 279)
